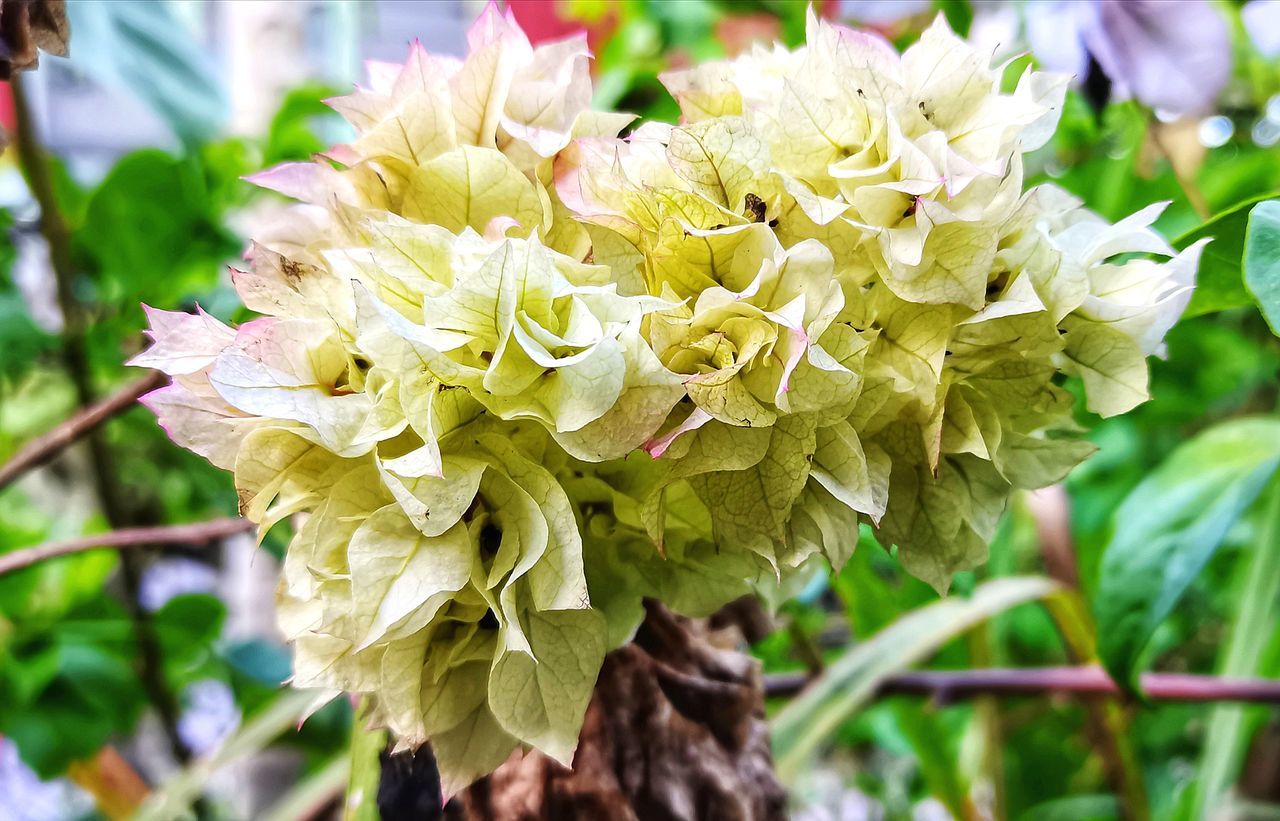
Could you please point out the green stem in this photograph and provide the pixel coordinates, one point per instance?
(804, 648)
(986, 711)
(1107, 723)
(1225, 742)
(366, 769)
(310, 797)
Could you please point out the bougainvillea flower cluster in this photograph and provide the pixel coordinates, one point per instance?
(514, 373)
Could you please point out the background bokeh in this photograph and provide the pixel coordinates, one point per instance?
(162, 108)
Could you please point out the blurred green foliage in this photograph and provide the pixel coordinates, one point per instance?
(153, 230)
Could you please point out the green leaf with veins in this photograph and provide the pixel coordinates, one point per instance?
(1169, 527)
(1220, 285)
(1262, 260)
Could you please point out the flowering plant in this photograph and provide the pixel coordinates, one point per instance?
(519, 373)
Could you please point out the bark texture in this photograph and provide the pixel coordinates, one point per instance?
(28, 27)
(675, 730)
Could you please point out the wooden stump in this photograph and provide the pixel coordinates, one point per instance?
(675, 730)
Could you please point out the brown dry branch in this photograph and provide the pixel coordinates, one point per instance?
(28, 27)
(193, 534)
(48, 446)
(947, 686)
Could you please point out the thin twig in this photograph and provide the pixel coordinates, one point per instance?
(1106, 721)
(951, 685)
(201, 533)
(46, 447)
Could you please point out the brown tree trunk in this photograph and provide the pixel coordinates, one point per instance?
(675, 730)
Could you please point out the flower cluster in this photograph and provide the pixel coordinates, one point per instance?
(517, 372)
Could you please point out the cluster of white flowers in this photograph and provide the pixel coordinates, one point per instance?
(519, 372)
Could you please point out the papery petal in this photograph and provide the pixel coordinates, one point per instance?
(182, 343)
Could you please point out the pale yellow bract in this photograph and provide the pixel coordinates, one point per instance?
(516, 373)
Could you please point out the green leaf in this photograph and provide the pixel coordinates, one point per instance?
(1255, 593)
(936, 754)
(1094, 807)
(94, 694)
(1170, 526)
(102, 679)
(1219, 284)
(1262, 260)
(849, 682)
(149, 232)
(874, 587)
(297, 127)
(40, 595)
(143, 48)
(30, 669)
(51, 736)
(187, 626)
(959, 14)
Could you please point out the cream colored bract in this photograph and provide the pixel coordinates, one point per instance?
(514, 373)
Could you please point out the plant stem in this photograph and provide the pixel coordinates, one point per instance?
(986, 713)
(365, 768)
(803, 647)
(192, 534)
(1106, 722)
(1225, 741)
(46, 447)
(947, 686)
(309, 799)
(284, 714)
(75, 356)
